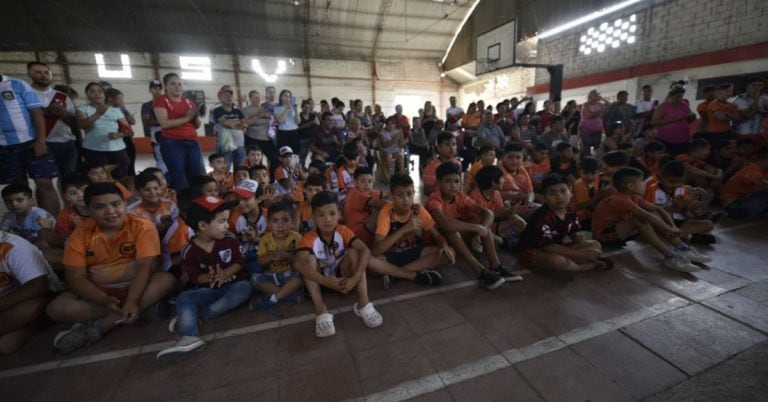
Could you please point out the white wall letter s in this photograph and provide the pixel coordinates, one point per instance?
(124, 72)
(200, 67)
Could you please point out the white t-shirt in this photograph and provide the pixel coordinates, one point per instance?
(753, 125)
(21, 262)
(644, 106)
(664, 201)
(60, 131)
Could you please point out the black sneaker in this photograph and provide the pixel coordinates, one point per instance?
(489, 280)
(428, 278)
(506, 275)
(703, 239)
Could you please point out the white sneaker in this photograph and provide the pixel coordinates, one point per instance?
(694, 255)
(185, 345)
(679, 263)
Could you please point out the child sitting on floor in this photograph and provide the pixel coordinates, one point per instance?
(746, 193)
(361, 205)
(588, 191)
(487, 157)
(406, 235)
(214, 264)
(684, 203)
(552, 242)
(649, 162)
(563, 163)
(517, 187)
(314, 184)
(241, 173)
(23, 217)
(223, 177)
(698, 172)
(207, 185)
(539, 166)
(622, 215)
(249, 222)
(446, 152)
(507, 225)
(462, 221)
(165, 191)
(97, 173)
(57, 231)
(330, 255)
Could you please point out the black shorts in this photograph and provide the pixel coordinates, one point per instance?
(18, 163)
(403, 258)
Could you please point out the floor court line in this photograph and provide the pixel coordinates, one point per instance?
(133, 351)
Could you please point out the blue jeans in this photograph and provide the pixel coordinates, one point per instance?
(65, 154)
(750, 207)
(207, 303)
(303, 151)
(184, 161)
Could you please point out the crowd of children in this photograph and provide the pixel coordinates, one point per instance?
(277, 229)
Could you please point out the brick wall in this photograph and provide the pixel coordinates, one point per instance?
(666, 30)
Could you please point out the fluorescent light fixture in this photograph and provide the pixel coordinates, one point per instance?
(123, 72)
(256, 65)
(583, 38)
(582, 20)
(458, 30)
(633, 28)
(200, 66)
(587, 51)
(601, 48)
(633, 18)
(631, 40)
(617, 23)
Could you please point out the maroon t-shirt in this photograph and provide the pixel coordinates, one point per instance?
(195, 261)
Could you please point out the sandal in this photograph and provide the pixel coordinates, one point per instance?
(324, 325)
(370, 316)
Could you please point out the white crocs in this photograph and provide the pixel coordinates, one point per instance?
(370, 316)
(324, 325)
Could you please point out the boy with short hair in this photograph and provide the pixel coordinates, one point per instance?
(622, 215)
(507, 224)
(647, 136)
(72, 190)
(23, 217)
(97, 173)
(446, 152)
(406, 235)
(346, 171)
(452, 211)
(588, 190)
(207, 185)
(361, 205)
(214, 264)
(165, 191)
(683, 203)
(249, 222)
(314, 184)
(260, 173)
(552, 242)
(613, 161)
(108, 262)
(517, 187)
(221, 174)
(332, 256)
(699, 172)
(241, 173)
(487, 157)
(746, 193)
(254, 156)
(277, 249)
(563, 162)
(648, 163)
(288, 172)
(539, 166)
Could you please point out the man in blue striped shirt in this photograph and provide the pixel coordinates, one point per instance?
(23, 152)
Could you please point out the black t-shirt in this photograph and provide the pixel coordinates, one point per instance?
(545, 228)
(234, 114)
(304, 132)
(147, 110)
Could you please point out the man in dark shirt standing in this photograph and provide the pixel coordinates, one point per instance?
(150, 124)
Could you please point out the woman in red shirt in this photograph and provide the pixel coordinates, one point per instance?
(179, 120)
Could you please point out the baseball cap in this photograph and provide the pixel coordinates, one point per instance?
(286, 150)
(205, 208)
(246, 189)
(225, 88)
(155, 84)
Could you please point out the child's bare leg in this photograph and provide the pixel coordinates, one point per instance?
(290, 287)
(463, 251)
(18, 322)
(588, 245)
(489, 247)
(696, 226)
(382, 267)
(306, 265)
(646, 232)
(347, 267)
(430, 258)
(267, 287)
(545, 261)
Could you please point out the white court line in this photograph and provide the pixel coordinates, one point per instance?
(493, 363)
(151, 348)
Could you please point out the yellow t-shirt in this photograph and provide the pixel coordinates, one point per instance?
(268, 245)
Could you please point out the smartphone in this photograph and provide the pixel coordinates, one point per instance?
(293, 100)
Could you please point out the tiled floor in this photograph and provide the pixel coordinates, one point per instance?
(625, 334)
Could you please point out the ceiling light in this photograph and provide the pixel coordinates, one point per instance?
(123, 72)
(617, 23)
(589, 41)
(442, 75)
(586, 18)
(587, 51)
(590, 30)
(609, 30)
(602, 37)
(633, 18)
(595, 44)
(615, 44)
(633, 28)
(256, 65)
(624, 36)
(583, 38)
(625, 25)
(617, 33)
(603, 26)
(601, 48)
(631, 39)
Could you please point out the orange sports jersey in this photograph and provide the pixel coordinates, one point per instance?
(668, 201)
(495, 203)
(329, 253)
(519, 182)
(718, 126)
(164, 214)
(460, 208)
(583, 193)
(69, 218)
(686, 159)
(111, 260)
(225, 181)
(743, 183)
(389, 222)
(170, 194)
(127, 195)
(298, 194)
(538, 171)
(307, 220)
(429, 176)
(332, 179)
(612, 210)
(653, 169)
(476, 166)
(346, 179)
(356, 212)
(175, 238)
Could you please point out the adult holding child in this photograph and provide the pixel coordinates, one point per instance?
(179, 120)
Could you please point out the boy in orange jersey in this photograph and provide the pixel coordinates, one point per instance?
(446, 151)
(648, 163)
(517, 187)
(249, 222)
(539, 165)
(361, 205)
(97, 173)
(507, 225)
(487, 157)
(109, 262)
(746, 193)
(223, 177)
(330, 255)
(72, 189)
(165, 191)
(698, 172)
(590, 188)
(345, 168)
(288, 173)
(314, 184)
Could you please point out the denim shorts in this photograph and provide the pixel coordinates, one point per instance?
(17, 161)
(278, 278)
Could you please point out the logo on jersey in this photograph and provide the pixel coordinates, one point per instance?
(128, 249)
(225, 256)
(8, 95)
